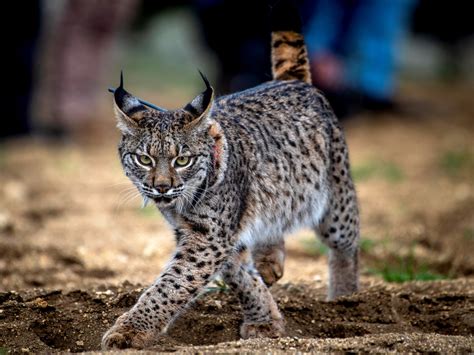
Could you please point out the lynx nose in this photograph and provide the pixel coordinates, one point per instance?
(162, 188)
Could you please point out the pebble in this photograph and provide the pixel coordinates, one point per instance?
(40, 303)
(106, 293)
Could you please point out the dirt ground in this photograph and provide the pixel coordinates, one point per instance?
(76, 249)
(436, 316)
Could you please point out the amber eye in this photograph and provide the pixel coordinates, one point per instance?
(182, 161)
(145, 160)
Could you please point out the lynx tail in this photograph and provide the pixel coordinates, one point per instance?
(289, 54)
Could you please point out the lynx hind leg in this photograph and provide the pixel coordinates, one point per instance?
(261, 315)
(269, 260)
(339, 229)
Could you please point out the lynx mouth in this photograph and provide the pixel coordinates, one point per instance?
(160, 199)
(163, 199)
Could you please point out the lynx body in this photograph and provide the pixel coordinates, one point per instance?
(233, 175)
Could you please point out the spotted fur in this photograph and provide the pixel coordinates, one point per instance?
(263, 162)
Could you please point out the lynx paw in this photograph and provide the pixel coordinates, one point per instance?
(123, 336)
(272, 329)
(270, 265)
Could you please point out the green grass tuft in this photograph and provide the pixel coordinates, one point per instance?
(468, 234)
(375, 168)
(405, 269)
(400, 274)
(314, 246)
(3, 351)
(454, 162)
(366, 245)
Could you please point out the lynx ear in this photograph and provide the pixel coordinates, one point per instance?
(128, 109)
(201, 105)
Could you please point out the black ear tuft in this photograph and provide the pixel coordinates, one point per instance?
(285, 17)
(143, 102)
(127, 103)
(204, 78)
(200, 106)
(202, 102)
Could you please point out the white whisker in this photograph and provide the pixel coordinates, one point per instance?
(126, 197)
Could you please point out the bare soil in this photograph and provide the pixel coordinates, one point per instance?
(418, 316)
(76, 250)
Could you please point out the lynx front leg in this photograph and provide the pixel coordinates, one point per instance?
(261, 315)
(194, 262)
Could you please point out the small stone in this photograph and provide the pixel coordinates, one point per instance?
(40, 303)
(25, 350)
(80, 343)
(106, 293)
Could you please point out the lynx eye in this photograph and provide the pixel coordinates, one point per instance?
(145, 160)
(182, 161)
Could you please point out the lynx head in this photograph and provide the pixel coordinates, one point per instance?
(172, 157)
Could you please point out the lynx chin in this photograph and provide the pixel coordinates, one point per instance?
(233, 175)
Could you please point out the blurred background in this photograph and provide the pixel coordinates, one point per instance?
(399, 74)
